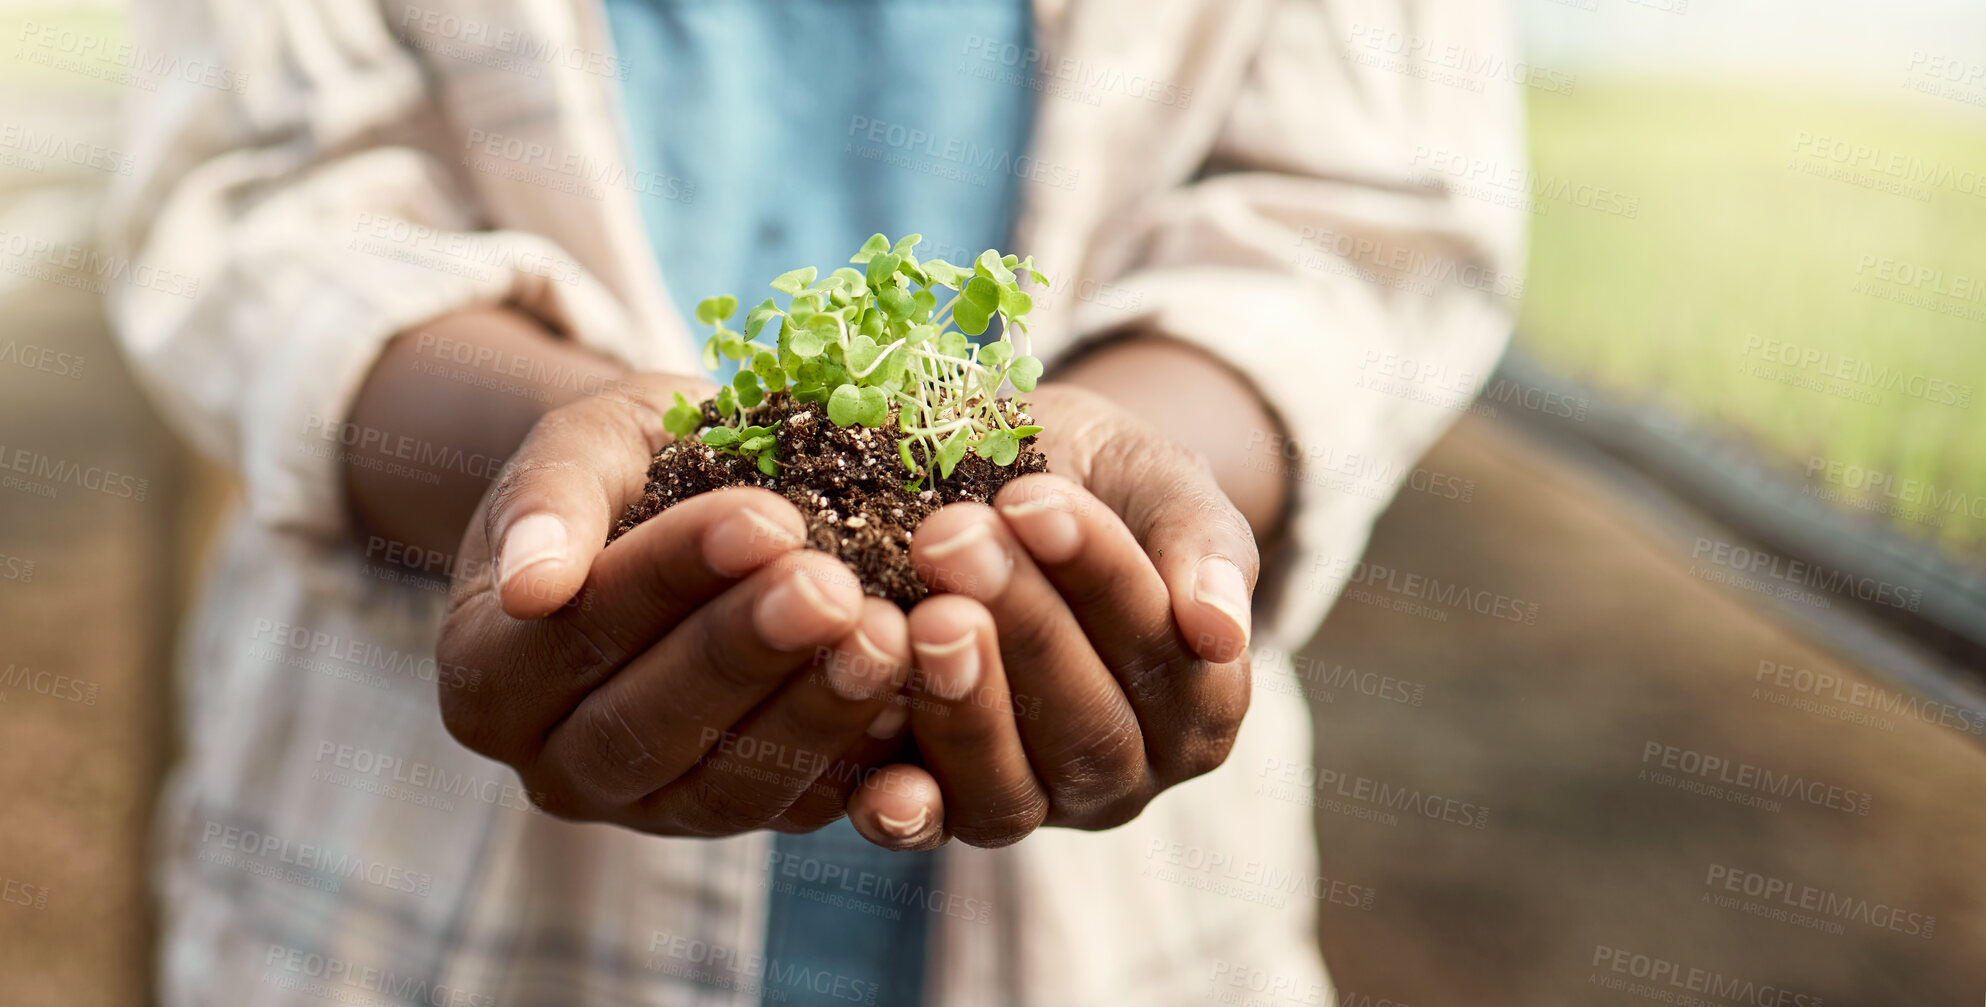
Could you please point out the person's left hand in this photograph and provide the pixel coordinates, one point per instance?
(1087, 645)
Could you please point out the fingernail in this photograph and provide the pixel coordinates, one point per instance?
(970, 562)
(745, 541)
(1046, 527)
(964, 538)
(795, 614)
(529, 542)
(862, 674)
(889, 723)
(950, 669)
(1218, 584)
(904, 828)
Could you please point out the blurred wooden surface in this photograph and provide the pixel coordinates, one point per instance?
(92, 576)
(1582, 861)
(84, 643)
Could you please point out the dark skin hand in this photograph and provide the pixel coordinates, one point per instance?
(706, 676)
(1112, 595)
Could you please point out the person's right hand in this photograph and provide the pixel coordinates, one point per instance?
(661, 682)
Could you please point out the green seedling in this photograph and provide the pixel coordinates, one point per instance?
(886, 338)
(757, 443)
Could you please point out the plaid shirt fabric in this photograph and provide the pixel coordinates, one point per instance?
(351, 170)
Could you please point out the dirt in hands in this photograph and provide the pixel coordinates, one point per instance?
(848, 482)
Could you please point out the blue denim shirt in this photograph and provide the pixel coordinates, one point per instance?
(806, 126)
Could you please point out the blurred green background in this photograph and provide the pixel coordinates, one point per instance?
(1740, 257)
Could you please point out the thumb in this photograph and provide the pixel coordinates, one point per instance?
(1202, 546)
(549, 512)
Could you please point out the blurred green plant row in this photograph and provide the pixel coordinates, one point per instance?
(1806, 273)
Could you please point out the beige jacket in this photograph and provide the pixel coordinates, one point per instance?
(1319, 191)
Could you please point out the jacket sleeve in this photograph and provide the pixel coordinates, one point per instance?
(1333, 253)
(299, 194)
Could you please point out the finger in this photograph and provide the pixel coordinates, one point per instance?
(790, 744)
(900, 807)
(646, 726)
(642, 586)
(1098, 567)
(1200, 544)
(1090, 752)
(549, 512)
(1188, 708)
(663, 569)
(962, 719)
(885, 741)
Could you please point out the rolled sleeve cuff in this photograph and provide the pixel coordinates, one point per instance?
(345, 303)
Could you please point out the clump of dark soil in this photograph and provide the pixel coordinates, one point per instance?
(846, 481)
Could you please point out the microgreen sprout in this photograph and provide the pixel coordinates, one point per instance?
(866, 342)
(757, 443)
